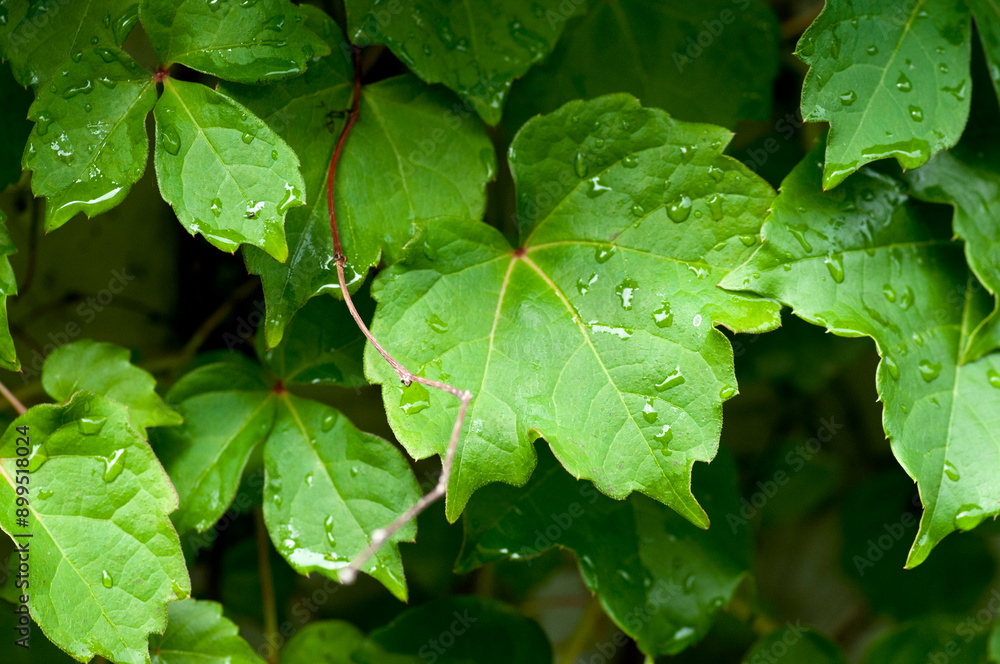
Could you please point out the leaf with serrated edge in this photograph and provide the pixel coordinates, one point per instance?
(604, 315)
(329, 487)
(105, 559)
(8, 287)
(892, 79)
(411, 156)
(51, 31)
(900, 280)
(228, 411)
(198, 632)
(258, 42)
(475, 48)
(226, 173)
(105, 369)
(89, 145)
(632, 553)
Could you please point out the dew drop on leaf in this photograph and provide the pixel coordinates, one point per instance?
(580, 165)
(848, 98)
(916, 114)
(649, 411)
(993, 377)
(679, 210)
(951, 471)
(414, 399)
(891, 367)
(929, 370)
(663, 316)
(114, 465)
(673, 379)
(328, 525)
(727, 392)
(889, 292)
(903, 83)
(328, 421)
(106, 579)
(626, 291)
(435, 323)
(604, 252)
(91, 427)
(969, 516)
(835, 266)
(170, 139)
(665, 435)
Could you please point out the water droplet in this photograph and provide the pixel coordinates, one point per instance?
(277, 501)
(663, 317)
(872, 50)
(835, 265)
(891, 367)
(45, 494)
(630, 161)
(326, 424)
(916, 114)
(248, 138)
(903, 83)
(626, 291)
(76, 57)
(583, 285)
(648, 411)
(114, 465)
(84, 88)
(445, 34)
(216, 207)
(91, 427)
(42, 123)
(929, 370)
(799, 234)
(106, 55)
(889, 292)
(673, 379)
(604, 252)
(906, 298)
(292, 196)
(951, 471)
(848, 98)
(580, 166)
(679, 210)
(328, 525)
(436, 324)
(309, 479)
(107, 580)
(637, 210)
(993, 377)
(716, 173)
(715, 206)
(170, 140)
(274, 155)
(275, 23)
(728, 392)
(414, 399)
(969, 516)
(665, 435)
(748, 240)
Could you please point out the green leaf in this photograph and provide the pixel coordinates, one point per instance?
(14, 120)
(316, 352)
(227, 174)
(324, 642)
(105, 369)
(8, 287)
(248, 42)
(931, 639)
(892, 79)
(329, 489)
(894, 277)
(598, 333)
(411, 156)
(104, 558)
(50, 31)
(228, 411)
(89, 145)
(482, 630)
(657, 52)
(475, 48)
(633, 553)
(987, 14)
(794, 643)
(197, 632)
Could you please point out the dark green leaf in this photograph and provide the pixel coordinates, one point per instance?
(931, 639)
(227, 174)
(987, 14)
(326, 642)
(8, 287)
(248, 42)
(795, 644)
(198, 633)
(598, 334)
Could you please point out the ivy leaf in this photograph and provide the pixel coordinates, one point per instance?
(105, 559)
(795, 643)
(197, 631)
(323, 642)
(105, 369)
(89, 145)
(228, 176)
(632, 553)
(598, 332)
(228, 411)
(892, 81)
(329, 488)
(315, 352)
(8, 287)
(656, 51)
(412, 156)
(476, 49)
(485, 631)
(50, 31)
(256, 42)
(987, 14)
(902, 281)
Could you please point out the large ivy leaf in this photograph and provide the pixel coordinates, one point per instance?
(197, 632)
(48, 32)
(227, 174)
(794, 643)
(632, 553)
(8, 287)
(89, 145)
(329, 488)
(892, 79)
(105, 369)
(248, 42)
(656, 51)
(475, 48)
(228, 411)
(598, 332)
(485, 631)
(889, 275)
(410, 157)
(105, 559)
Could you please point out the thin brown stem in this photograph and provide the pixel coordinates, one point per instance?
(266, 586)
(381, 535)
(14, 401)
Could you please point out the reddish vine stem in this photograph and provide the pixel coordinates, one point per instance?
(381, 535)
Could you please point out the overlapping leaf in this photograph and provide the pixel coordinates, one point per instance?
(40, 36)
(598, 332)
(892, 79)
(8, 287)
(197, 632)
(224, 170)
(104, 558)
(795, 643)
(89, 146)
(633, 553)
(688, 58)
(327, 641)
(861, 262)
(411, 157)
(930, 639)
(476, 48)
(987, 15)
(105, 369)
(249, 42)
